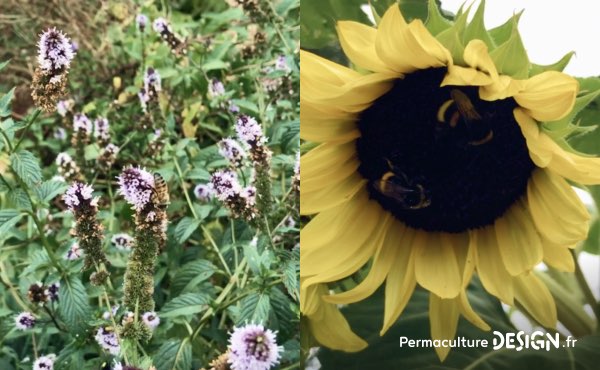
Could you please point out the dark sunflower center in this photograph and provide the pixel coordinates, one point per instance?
(440, 158)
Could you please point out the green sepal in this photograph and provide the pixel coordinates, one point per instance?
(511, 57)
(475, 30)
(536, 69)
(436, 22)
(451, 39)
(502, 33)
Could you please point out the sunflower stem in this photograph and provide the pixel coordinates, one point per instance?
(585, 288)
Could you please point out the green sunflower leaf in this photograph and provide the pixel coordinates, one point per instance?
(476, 29)
(558, 66)
(451, 37)
(436, 22)
(511, 57)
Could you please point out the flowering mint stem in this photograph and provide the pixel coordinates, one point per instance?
(35, 115)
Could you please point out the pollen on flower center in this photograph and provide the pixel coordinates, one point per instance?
(439, 158)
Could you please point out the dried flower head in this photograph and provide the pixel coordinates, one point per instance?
(107, 339)
(161, 25)
(241, 201)
(232, 151)
(151, 319)
(175, 42)
(122, 241)
(142, 21)
(108, 156)
(67, 167)
(25, 321)
(253, 347)
(45, 362)
(204, 192)
(136, 185)
(38, 294)
(101, 129)
(55, 53)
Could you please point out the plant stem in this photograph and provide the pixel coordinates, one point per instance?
(585, 288)
(36, 113)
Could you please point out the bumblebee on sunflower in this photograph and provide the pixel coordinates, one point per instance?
(436, 163)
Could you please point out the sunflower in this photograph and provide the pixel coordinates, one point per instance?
(436, 163)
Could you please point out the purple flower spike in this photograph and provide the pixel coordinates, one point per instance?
(136, 185)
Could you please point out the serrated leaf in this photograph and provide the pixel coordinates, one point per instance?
(191, 274)
(452, 41)
(26, 166)
(48, 190)
(254, 309)
(511, 57)
(285, 320)
(185, 304)
(198, 174)
(215, 64)
(8, 219)
(18, 198)
(174, 355)
(185, 228)
(69, 358)
(502, 33)
(74, 308)
(5, 103)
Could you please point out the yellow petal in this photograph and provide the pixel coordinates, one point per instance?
(492, 273)
(519, 243)
(393, 254)
(330, 74)
(330, 196)
(463, 76)
(327, 165)
(443, 318)
(358, 42)
(503, 87)
(335, 235)
(342, 259)
(536, 299)
(558, 256)
(548, 96)
(436, 266)
(321, 131)
(546, 153)
(556, 209)
(327, 324)
(459, 242)
(469, 313)
(400, 283)
(319, 112)
(407, 48)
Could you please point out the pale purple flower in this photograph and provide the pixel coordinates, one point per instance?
(249, 131)
(141, 21)
(106, 315)
(281, 64)
(253, 347)
(151, 319)
(45, 362)
(117, 365)
(107, 339)
(233, 108)
(53, 291)
(249, 194)
(232, 151)
(110, 150)
(64, 106)
(215, 88)
(204, 192)
(101, 128)
(74, 46)
(25, 321)
(78, 194)
(144, 99)
(152, 84)
(136, 185)
(54, 52)
(74, 252)
(226, 185)
(63, 159)
(82, 123)
(60, 133)
(122, 241)
(161, 25)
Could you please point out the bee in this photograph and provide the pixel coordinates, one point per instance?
(395, 184)
(160, 194)
(478, 129)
